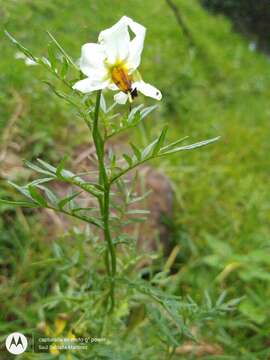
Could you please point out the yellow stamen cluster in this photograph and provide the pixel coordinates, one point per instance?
(121, 78)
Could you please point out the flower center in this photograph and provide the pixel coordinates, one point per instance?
(121, 78)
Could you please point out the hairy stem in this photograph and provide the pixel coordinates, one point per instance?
(104, 202)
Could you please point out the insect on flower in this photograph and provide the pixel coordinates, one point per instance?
(113, 62)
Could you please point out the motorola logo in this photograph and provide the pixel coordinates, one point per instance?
(16, 343)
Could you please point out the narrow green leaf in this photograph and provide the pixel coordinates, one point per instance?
(221, 298)
(57, 250)
(132, 220)
(173, 144)
(71, 178)
(103, 105)
(113, 161)
(18, 203)
(160, 141)
(136, 151)
(64, 68)
(124, 239)
(38, 169)
(24, 191)
(90, 220)
(138, 212)
(189, 147)
(23, 49)
(149, 149)
(140, 198)
(61, 95)
(79, 209)
(208, 300)
(60, 167)
(49, 194)
(146, 111)
(161, 324)
(47, 166)
(37, 197)
(45, 62)
(128, 159)
(135, 112)
(52, 57)
(68, 58)
(67, 199)
(40, 181)
(234, 302)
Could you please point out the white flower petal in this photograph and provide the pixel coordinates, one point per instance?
(27, 60)
(30, 62)
(136, 44)
(116, 41)
(92, 60)
(147, 89)
(120, 98)
(87, 85)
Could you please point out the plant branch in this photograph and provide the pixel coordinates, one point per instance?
(163, 152)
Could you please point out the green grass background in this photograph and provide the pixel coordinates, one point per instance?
(215, 87)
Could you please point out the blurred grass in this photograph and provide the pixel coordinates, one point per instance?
(216, 87)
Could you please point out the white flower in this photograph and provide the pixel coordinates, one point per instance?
(113, 62)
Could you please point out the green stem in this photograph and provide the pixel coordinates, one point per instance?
(107, 236)
(104, 202)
